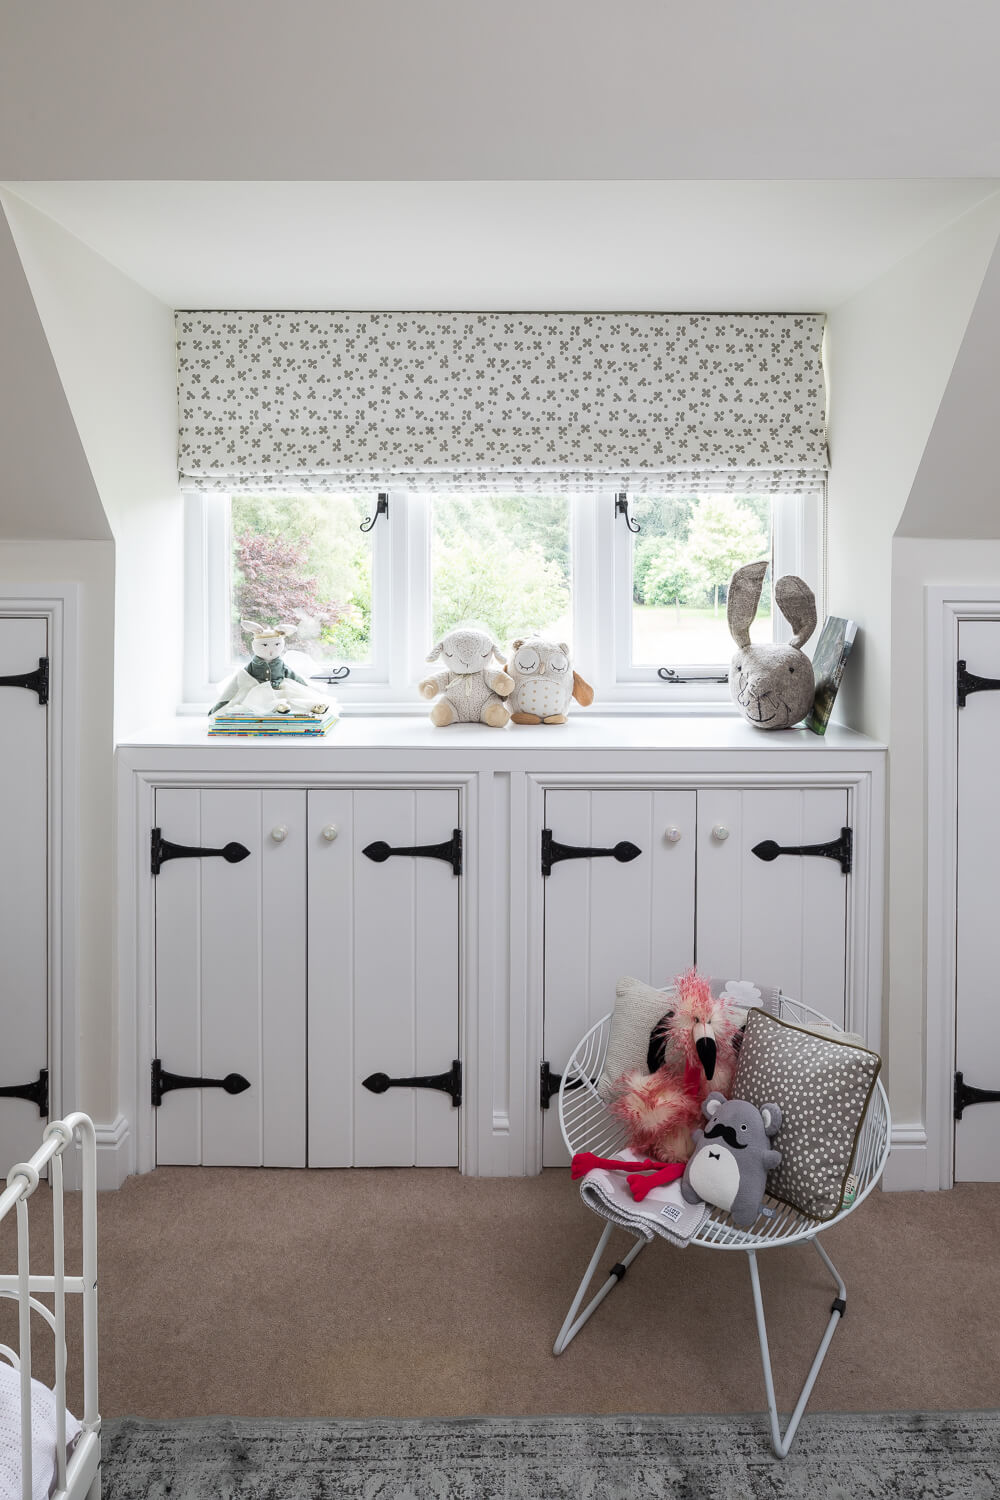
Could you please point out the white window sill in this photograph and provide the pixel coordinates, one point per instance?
(640, 730)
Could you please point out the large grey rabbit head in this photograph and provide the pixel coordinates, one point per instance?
(773, 684)
(467, 650)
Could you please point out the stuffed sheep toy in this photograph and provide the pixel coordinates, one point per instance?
(266, 685)
(732, 1157)
(471, 690)
(544, 682)
(773, 684)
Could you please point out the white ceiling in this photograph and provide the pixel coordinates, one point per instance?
(653, 245)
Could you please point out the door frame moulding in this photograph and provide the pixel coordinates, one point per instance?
(136, 976)
(863, 952)
(58, 605)
(946, 607)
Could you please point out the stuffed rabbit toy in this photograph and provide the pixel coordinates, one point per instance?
(772, 684)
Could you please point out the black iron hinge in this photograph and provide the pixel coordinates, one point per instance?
(450, 851)
(841, 849)
(448, 1083)
(37, 681)
(162, 1082)
(967, 682)
(553, 852)
(965, 1095)
(161, 849)
(35, 1093)
(549, 1082)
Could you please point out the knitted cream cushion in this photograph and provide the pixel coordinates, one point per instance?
(823, 1087)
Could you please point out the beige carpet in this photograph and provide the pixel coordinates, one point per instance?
(418, 1293)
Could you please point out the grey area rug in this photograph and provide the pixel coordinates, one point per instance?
(841, 1456)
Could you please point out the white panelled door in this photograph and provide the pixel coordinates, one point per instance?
(780, 922)
(231, 976)
(977, 1023)
(383, 976)
(23, 887)
(606, 918)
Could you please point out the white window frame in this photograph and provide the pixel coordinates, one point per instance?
(601, 552)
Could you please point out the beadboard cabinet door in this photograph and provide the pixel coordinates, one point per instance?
(23, 887)
(231, 977)
(605, 918)
(781, 922)
(383, 976)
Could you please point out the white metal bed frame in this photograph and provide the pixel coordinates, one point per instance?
(79, 1478)
(588, 1125)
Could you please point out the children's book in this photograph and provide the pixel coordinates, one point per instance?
(832, 650)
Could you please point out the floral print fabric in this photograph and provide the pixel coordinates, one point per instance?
(653, 402)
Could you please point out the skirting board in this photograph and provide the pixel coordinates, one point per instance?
(113, 1165)
(907, 1167)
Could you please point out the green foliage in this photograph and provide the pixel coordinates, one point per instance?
(661, 573)
(724, 534)
(503, 561)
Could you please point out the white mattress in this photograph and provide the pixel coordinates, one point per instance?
(43, 1436)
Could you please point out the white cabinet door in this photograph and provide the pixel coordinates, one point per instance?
(23, 887)
(782, 922)
(977, 1029)
(383, 977)
(605, 918)
(230, 977)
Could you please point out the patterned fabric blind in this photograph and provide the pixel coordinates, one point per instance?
(655, 403)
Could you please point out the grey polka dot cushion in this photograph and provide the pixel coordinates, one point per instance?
(823, 1088)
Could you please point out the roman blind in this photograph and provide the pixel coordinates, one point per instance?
(535, 402)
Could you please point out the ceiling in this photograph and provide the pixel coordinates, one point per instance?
(534, 246)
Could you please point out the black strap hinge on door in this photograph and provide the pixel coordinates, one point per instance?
(965, 1095)
(37, 681)
(549, 1084)
(162, 1082)
(161, 850)
(448, 1083)
(450, 851)
(967, 682)
(35, 1093)
(553, 852)
(841, 849)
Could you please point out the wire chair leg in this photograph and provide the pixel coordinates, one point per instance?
(570, 1329)
(781, 1443)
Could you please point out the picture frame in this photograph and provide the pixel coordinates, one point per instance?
(832, 650)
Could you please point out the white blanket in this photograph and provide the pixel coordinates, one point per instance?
(43, 1436)
(663, 1211)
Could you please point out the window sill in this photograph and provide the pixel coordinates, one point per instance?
(413, 734)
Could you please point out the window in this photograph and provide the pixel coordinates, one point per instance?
(630, 603)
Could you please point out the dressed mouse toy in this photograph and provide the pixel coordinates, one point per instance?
(732, 1157)
(266, 685)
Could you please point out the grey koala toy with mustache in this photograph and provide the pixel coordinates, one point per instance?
(772, 683)
(732, 1157)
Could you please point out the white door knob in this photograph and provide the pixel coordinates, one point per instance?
(279, 834)
(720, 832)
(672, 835)
(330, 832)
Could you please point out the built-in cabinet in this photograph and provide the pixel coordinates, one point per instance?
(24, 885)
(291, 966)
(365, 954)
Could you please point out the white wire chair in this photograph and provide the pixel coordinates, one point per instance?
(588, 1125)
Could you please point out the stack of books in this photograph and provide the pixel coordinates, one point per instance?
(253, 726)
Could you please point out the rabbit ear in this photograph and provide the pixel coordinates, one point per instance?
(797, 603)
(744, 596)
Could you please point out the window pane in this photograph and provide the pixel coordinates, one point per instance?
(504, 561)
(301, 560)
(682, 561)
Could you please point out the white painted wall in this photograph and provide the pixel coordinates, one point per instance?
(92, 566)
(432, 89)
(890, 352)
(46, 487)
(113, 344)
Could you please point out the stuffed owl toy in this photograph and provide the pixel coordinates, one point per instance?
(544, 682)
